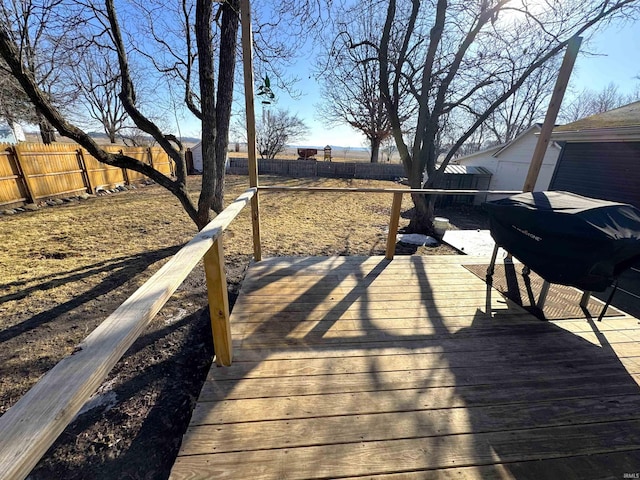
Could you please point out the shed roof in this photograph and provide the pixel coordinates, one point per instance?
(466, 170)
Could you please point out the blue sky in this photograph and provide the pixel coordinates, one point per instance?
(617, 61)
(614, 56)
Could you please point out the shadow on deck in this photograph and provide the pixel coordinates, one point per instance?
(361, 367)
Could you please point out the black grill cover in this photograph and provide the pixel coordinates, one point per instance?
(566, 238)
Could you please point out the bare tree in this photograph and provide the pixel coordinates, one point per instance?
(520, 111)
(108, 29)
(134, 137)
(350, 79)
(276, 129)
(451, 54)
(388, 149)
(524, 108)
(591, 102)
(181, 44)
(39, 28)
(98, 81)
(14, 103)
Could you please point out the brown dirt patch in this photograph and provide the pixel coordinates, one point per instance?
(66, 268)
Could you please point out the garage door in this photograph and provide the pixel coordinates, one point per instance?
(609, 171)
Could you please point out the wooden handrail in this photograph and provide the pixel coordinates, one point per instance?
(433, 191)
(396, 206)
(31, 426)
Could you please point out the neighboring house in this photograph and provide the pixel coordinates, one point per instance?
(509, 163)
(600, 156)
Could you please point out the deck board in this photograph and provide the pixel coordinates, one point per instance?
(352, 367)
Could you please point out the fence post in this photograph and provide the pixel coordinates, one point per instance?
(150, 156)
(85, 172)
(218, 302)
(125, 173)
(25, 178)
(393, 225)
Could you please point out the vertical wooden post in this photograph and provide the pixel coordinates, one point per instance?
(573, 47)
(393, 225)
(218, 302)
(125, 176)
(150, 156)
(85, 172)
(125, 172)
(25, 178)
(188, 159)
(247, 63)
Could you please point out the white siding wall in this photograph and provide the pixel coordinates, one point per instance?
(196, 150)
(510, 167)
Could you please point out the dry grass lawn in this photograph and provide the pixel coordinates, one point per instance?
(66, 268)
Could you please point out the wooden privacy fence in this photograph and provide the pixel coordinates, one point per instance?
(313, 168)
(30, 172)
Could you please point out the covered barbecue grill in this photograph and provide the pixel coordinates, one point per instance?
(566, 238)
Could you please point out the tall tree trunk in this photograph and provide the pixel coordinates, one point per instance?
(423, 215)
(47, 132)
(424, 211)
(422, 220)
(226, 70)
(375, 150)
(204, 40)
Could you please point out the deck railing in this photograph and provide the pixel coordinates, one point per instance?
(31, 426)
(395, 207)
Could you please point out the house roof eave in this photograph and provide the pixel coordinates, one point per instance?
(592, 135)
(484, 151)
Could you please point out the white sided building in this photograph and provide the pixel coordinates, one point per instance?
(509, 163)
(196, 152)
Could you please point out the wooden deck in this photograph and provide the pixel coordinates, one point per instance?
(357, 367)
